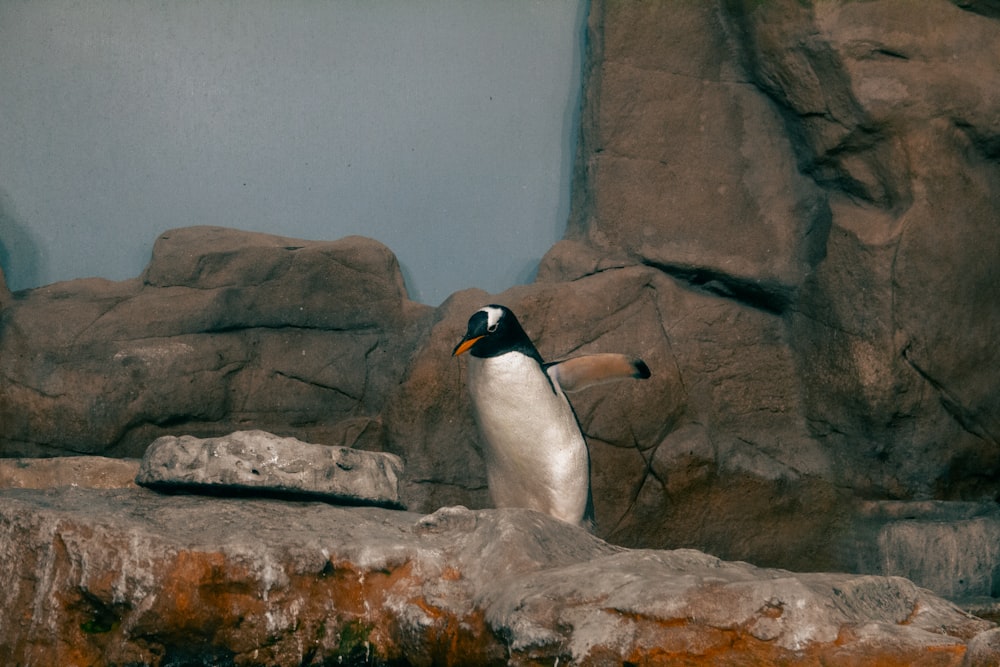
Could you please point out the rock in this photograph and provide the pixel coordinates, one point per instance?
(833, 225)
(983, 649)
(226, 330)
(258, 462)
(91, 472)
(788, 208)
(683, 164)
(860, 244)
(952, 548)
(891, 328)
(132, 577)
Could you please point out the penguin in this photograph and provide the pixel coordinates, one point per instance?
(535, 453)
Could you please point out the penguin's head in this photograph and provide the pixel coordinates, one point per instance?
(494, 330)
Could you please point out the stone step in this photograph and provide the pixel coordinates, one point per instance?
(951, 548)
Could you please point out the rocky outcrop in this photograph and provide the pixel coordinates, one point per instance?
(788, 209)
(260, 463)
(832, 166)
(898, 317)
(128, 576)
(224, 331)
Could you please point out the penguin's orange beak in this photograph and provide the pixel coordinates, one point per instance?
(464, 346)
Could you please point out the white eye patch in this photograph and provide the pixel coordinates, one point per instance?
(493, 315)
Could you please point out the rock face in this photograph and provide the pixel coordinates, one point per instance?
(257, 462)
(224, 331)
(91, 472)
(825, 177)
(788, 209)
(832, 167)
(128, 576)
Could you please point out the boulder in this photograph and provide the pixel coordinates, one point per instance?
(260, 463)
(225, 330)
(129, 576)
(983, 649)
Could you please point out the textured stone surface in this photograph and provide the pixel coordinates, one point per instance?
(952, 548)
(959, 559)
(860, 240)
(132, 577)
(92, 472)
(789, 209)
(983, 649)
(260, 462)
(683, 164)
(896, 322)
(863, 226)
(225, 331)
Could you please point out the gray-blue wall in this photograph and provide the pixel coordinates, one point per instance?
(443, 128)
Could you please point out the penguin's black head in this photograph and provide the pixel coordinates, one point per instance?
(494, 330)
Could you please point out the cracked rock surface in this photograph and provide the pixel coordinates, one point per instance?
(787, 208)
(224, 331)
(132, 577)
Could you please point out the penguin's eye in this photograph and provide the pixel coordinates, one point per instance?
(493, 327)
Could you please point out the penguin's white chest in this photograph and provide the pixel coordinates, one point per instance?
(536, 456)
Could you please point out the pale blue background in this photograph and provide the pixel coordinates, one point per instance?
(443, 128)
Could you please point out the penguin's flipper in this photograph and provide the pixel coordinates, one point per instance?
(586, 371)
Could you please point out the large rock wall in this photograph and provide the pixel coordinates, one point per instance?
(790, 210)
(833, 166)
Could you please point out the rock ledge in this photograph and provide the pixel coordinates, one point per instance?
(129, 576)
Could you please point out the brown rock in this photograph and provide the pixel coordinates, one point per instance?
(787, 208)
(949, 547)
(226, 329)
(864, 225)
(983, 649)
(133, 577)
(89, 472)
(683, 164)
(896, 322)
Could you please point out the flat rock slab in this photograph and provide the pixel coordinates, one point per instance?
(129, 576)
(261, 463)
(92, 472)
